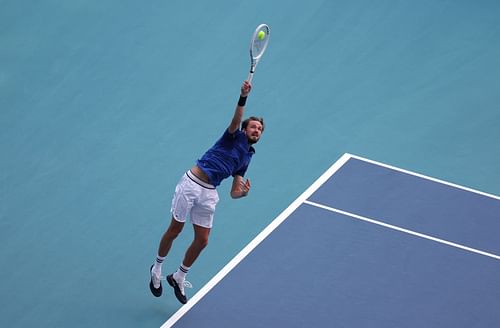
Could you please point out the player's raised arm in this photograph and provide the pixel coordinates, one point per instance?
(240, 107)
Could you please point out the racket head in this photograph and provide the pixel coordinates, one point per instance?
(257, 46)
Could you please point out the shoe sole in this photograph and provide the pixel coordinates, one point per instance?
(155, 291)
(177, 291)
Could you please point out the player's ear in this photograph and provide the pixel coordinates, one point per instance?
(244, 124)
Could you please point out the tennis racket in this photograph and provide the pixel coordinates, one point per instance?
(258, 45)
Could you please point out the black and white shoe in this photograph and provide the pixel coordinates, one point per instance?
(178, 289)
(155, 280)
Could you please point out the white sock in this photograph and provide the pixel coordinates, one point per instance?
(158, 263)
(180, 274)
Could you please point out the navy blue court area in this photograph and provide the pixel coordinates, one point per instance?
(367, 245)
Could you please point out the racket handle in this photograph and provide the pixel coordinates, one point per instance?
(250, 77)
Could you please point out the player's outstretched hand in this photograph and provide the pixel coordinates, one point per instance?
(245, 89)
(245, 187)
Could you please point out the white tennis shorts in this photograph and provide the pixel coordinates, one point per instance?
(196, 199)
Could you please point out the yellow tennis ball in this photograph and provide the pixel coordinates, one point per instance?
(261, 35)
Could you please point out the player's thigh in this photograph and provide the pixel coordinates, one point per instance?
(186, 194)
(202, 213)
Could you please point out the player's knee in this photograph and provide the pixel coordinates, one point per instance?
(174, 229)
(172, 234)
(202, 242)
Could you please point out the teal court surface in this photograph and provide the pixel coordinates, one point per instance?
(105, 104)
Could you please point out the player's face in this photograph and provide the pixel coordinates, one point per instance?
(253, 131)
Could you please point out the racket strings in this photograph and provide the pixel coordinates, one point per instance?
(259, 46)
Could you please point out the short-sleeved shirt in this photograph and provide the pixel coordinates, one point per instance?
(229, 156)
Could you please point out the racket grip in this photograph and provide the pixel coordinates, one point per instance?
(250, 77)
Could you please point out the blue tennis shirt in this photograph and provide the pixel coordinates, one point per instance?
(229, 156)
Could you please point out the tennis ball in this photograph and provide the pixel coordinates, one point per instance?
(261, 35)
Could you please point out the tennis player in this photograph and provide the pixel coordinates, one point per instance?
(196, 195)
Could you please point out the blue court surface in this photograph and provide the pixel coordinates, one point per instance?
(105, 104)
(366, 245)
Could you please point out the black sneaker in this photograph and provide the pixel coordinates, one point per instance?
(155, 291)
(177, 289)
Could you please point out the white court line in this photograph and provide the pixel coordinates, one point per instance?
(410, 232)
(256, 241)
(290, 209)
(424, 177)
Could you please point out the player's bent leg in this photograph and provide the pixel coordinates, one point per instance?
(176, 280)
(166, 241)
(200, 241)
(173, 230)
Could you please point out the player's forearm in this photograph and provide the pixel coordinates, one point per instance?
(240, 107)
(237, 118)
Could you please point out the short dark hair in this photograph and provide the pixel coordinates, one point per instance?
(244, 124)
